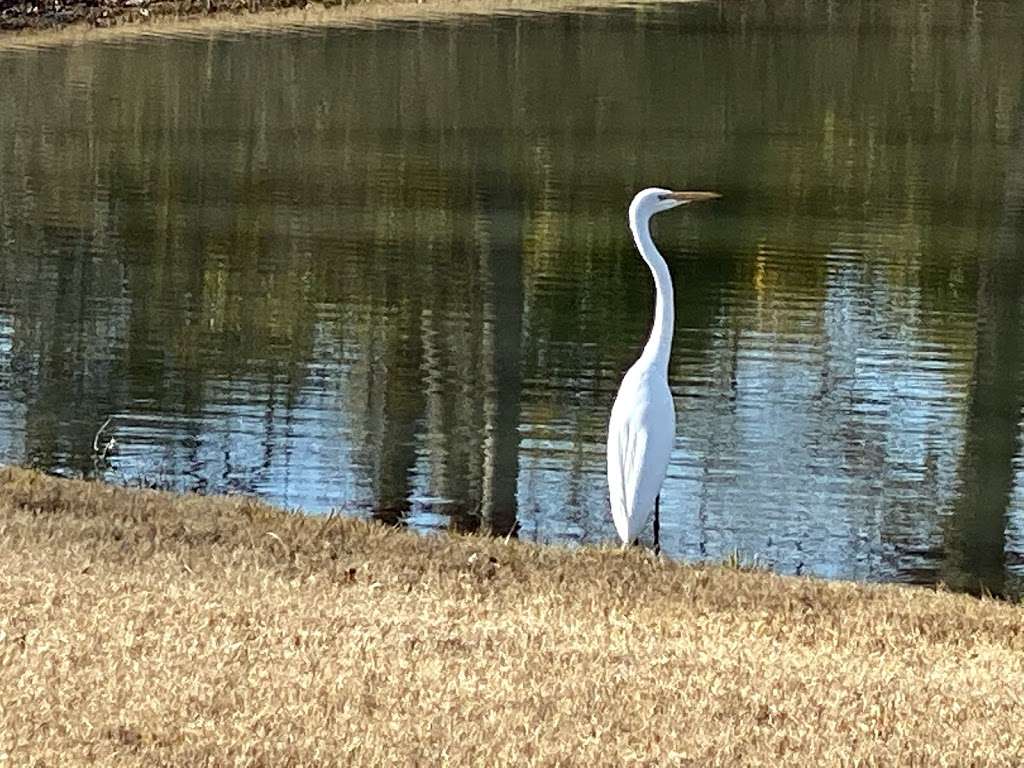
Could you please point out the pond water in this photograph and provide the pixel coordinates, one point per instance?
(386, 269)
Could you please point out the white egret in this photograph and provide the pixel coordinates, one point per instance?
(642, 428)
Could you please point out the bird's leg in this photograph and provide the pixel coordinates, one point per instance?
(657, 525)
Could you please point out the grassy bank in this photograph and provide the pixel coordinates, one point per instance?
(44, 22)
(22, 15)
(142, 628)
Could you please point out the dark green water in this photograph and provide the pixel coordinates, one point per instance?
(387, 270)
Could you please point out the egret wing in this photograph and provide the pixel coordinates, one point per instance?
(640, 441)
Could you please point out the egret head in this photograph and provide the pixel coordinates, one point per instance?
(655, 200)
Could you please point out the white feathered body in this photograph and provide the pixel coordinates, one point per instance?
(641, 435)
(642, 429)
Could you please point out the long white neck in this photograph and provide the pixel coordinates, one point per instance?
(659, 345)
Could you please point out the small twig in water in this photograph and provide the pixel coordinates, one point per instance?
(96, 440)
(101, 452)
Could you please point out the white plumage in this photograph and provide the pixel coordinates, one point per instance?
(642, 428)
(640, 438)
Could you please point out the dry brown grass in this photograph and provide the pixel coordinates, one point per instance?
(142, 628)
(189, 17)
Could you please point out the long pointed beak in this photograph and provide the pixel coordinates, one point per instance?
(690, 197)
